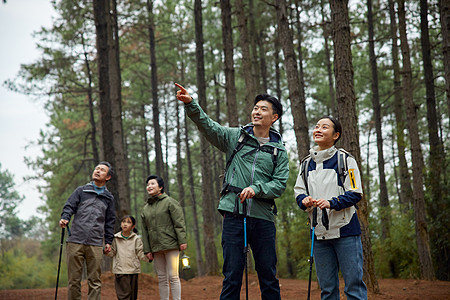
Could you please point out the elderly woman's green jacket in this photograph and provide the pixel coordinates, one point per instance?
(163, 225)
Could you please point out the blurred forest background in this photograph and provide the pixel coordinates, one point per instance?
(106, 78)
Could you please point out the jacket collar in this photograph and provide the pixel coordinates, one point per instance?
(274, 135)
(321, 155)
(89, 187)
(152, 200)
(119, 235)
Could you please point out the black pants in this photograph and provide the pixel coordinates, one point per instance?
(126, 286)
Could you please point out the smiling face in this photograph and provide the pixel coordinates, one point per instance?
(153, 188)
(263, 114)
(324, 134)
(100, 175)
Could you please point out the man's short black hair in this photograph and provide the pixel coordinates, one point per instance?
(276, 104)
(110, 168)
(158, 179)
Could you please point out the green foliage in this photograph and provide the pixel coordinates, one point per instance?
(24, 267)
(10, 224)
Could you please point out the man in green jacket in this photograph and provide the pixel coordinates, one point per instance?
(257, 171)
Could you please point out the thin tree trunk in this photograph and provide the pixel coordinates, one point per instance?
(384, 199)
(262, 61)
(166, 137)
(346, 102)
(444, 9)
(198, 248)
(422, 239)
(230, 86)
(254, 49)
(154, 81)
(211, 262)
(405, 178)
(278, 74)
(180, 180)
(295, 86)
(326, 35)
(95, 153)
(123, 205)
(250, 89)
(437, 156)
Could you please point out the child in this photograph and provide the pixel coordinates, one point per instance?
(127, 250)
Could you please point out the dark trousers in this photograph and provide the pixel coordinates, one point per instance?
(261, 238)
(126, 286)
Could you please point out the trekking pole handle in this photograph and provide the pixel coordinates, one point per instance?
(314, 220)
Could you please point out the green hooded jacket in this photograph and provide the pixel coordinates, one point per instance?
(251, 167)
(163, 226)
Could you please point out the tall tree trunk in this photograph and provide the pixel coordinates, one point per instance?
(230, 86)
(346, 101)
(326, 35)
(423, 247)
(296, 96)
(384, 199)
(180, 180)
(109, 105)
(301, 73)
(218, 158)
(405, 178)
(95, 153)
(198, 248)
(166, 138)
(437, 157)
(123, 205)
(211, 262)
(278, 73)
(250, 88)
(254, 49)
(262, 61)
(444, 9)
(195, 214)
(154, 80)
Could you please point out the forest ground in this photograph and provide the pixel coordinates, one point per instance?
(208, 287)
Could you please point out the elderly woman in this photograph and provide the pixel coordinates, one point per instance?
(164, 236)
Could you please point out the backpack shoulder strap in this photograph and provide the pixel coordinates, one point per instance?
(304, 171)
(342, 164)
(241, 141)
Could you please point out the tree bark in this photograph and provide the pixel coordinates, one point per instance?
(437, 157)
(384, 199)
(346, 101)
(422, 239)
(198, 247)
(154, 81)
(295, 85)
(110, 104)
(230, 86)
(95, 153)
(211, 262)
(444, 9)
(250, 88)
(405, 179)
(326, 36)
(254, 49)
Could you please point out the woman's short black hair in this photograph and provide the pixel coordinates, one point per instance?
(336, 125)
(276, 104)
(158, 179)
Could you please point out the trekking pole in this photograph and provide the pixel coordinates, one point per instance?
(244, 208)
(59, 263)
(314, 223)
